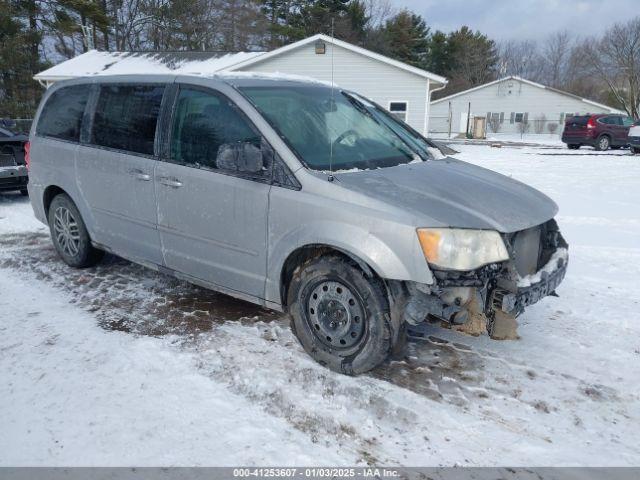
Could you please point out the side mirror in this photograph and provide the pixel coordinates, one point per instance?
(240, 157)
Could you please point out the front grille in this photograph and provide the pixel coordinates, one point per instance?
(7, 160)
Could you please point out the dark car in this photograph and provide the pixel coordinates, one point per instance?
(601, 131)
(13, 168)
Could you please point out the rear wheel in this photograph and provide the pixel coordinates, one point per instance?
(635, 150)
(573, 146)
(603, 143)
(69, 234)
(340, 317)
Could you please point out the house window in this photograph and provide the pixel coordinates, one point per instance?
(398, 110)
(517, 117)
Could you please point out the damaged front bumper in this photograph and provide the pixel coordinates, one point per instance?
(531, 290)
(538, 264)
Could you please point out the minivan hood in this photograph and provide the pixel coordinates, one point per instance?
(453, 193)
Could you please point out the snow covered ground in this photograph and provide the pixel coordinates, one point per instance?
(119, 365)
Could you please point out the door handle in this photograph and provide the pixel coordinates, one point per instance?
(140, 175)
(170, 182)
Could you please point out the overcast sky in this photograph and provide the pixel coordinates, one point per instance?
(506, 19)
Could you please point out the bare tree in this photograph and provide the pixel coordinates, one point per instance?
(240, 26)
(558, 61)
(132, 18)
(578, 78)
(615, 58)
(539, 123)
(556, 52)
(521, 58)
(379, 11)
(523, 127)
(552, 127)
(493, 121)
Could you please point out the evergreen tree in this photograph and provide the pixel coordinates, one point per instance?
(19, 93)
(358, 22)
(320, 16)
(406, 38)
(439, 60)
(472, 58)
(277, 14)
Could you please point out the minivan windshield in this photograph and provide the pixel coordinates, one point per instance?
(403, 130)
(320, 124)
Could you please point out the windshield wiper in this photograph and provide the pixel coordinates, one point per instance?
(361, 107)
(375, 115)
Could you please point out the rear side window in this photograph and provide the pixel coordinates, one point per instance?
(578, 120)
(61, 116)
(608, 120)
(126, 117)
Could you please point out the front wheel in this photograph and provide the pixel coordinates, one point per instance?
(603, 143)
(340, 316)
(573, 146)
(69, 234)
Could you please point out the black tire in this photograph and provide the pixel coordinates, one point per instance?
(635, 150)
(24, 192)
(362, 339)
(72, 241)
(573, 146)
(603, 143)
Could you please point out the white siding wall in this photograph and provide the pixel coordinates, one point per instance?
(508, 96)
(381, 82)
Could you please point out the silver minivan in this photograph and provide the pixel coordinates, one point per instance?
(293, 195)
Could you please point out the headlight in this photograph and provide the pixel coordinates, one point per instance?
(460, 249)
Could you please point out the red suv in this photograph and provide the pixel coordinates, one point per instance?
(602, 131)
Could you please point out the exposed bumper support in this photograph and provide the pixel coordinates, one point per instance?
(420, 304)
(495, 294)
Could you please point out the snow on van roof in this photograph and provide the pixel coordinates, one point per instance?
(235, 75)
(95, 62)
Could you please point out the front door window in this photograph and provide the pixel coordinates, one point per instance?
(209, 132)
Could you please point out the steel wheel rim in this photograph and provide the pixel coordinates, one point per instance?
(66, 231)
(335, 315)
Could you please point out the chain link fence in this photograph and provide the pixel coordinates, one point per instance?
(496, 125)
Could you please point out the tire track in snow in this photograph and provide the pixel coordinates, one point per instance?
(381, 418)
